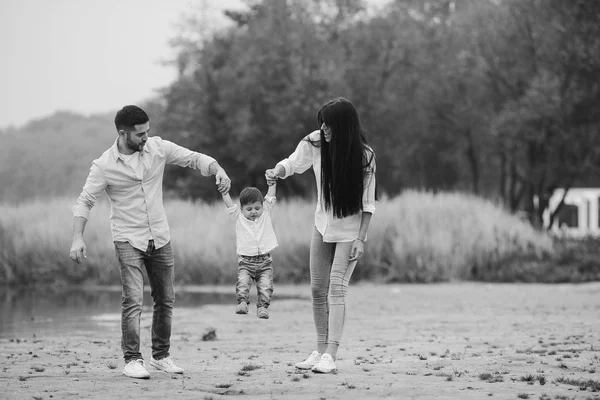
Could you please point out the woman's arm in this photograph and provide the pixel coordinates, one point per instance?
(298, 162)
(368, 207)
(358, 247)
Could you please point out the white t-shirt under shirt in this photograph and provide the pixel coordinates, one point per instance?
(133, 160)
(254, 237)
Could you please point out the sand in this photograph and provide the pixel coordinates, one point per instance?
(447, 341)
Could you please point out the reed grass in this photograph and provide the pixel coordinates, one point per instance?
(415, 237)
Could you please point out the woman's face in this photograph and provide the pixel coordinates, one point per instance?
(326, 131)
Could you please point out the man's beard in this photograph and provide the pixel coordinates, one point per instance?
(132, 146)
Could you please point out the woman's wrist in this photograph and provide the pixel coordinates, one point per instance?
(362, 240)
(280, 170)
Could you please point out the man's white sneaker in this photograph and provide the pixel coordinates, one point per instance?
(310, 362)
(326, 365)
(136, 369)
(166, 365)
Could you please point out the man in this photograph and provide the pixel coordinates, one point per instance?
(131, 174)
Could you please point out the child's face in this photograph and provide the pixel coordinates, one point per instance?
(252, 211)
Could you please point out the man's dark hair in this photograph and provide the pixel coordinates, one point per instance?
(129, 116)
(250, 195)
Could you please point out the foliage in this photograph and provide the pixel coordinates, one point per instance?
(52, 156)
(486, 96)
(496, 98)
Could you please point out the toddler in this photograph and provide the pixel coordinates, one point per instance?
(255, 239)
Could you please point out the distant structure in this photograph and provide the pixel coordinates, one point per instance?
(579, 216)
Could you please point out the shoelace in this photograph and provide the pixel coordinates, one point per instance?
(169, 361)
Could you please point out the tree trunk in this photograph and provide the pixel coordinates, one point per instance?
(503, 177)
(472, 159)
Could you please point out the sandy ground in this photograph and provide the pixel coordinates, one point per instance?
(450, 341)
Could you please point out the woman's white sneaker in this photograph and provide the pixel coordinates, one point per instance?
(136, 369)
(326, 365)
(310, 362)
(166, 365)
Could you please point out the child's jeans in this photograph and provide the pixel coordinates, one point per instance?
(260, 269)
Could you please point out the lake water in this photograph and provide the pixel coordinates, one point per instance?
(36, 312)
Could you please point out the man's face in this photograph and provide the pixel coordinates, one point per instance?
(252, 211)
(136, 139)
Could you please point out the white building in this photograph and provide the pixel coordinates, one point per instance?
(579, 214)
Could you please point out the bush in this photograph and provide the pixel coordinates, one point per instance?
(416, 237)
(428, 237)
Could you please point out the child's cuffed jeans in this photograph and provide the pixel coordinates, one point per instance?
(255, 268)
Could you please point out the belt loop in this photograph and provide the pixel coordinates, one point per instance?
(150, 246)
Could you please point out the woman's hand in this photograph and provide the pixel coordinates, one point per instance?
(271, 175)
(358, 248)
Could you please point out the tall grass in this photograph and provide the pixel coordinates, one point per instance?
(425, 237)
(416, 237)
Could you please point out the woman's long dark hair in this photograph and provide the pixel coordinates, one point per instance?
(345, 159)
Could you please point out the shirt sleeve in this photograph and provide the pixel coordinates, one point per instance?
(301, 159)
(94, 186)
(234, 211)
(270, 202)
(183, 157)
(368, 201)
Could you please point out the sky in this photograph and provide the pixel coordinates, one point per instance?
(89, 56)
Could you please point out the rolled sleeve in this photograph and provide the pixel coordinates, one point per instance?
(183, 157)
(368, 201)
(300, 160)
(94, 186)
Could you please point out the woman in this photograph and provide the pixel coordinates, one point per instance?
(344, 167)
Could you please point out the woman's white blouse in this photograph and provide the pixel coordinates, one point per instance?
(333, 229)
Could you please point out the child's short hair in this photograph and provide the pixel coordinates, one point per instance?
(250, 195)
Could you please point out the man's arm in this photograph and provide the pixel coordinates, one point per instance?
(94, 185)
(191, 159)
(78, 249)
(221, 178)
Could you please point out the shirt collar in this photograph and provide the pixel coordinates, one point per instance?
(114, 150)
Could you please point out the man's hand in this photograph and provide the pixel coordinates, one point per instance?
(78, 250)
(223, 181)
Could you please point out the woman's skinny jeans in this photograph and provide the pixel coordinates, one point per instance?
(330, 273)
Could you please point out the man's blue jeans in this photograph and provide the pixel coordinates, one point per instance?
(260, 269)
(159, 264)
